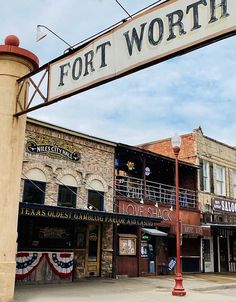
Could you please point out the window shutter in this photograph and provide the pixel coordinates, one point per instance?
(201, 175)
(211, 177)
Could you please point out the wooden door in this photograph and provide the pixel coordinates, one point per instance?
(92, 261)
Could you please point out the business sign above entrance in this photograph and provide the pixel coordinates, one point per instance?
(164, 31)
(45, 211)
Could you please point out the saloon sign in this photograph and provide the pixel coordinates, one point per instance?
(157, 34)
(223, 205)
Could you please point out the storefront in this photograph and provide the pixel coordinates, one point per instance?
(58, 244)
(66, 185)
(157, 246)
(220, 248)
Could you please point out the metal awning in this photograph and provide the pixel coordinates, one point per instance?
(154, 232)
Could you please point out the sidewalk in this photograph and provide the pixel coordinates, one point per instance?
(199, 287)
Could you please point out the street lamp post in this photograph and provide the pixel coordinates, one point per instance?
(178, 290)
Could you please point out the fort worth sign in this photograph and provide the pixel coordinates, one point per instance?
(157, 34)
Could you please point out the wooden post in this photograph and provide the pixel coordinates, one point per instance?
(139, 233)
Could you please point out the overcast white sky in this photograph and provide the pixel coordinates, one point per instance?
(197, 89)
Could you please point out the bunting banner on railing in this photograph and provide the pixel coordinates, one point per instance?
(61, 263)
(26, 263)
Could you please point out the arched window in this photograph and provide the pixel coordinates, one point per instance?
(67, 192)
(34, 187)
(96, 195)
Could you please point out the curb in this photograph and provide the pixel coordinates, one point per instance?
(210, 288)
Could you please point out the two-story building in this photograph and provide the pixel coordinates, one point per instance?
(216, 195)
(66, 211)
(145, 186)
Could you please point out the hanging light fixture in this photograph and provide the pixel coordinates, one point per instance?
(156, 204)
(40, 35)
(141, 201)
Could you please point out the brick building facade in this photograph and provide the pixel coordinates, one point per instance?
(216, 194)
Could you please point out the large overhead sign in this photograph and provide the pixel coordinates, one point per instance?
(157, 34)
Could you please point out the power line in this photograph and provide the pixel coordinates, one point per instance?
(44, 192)
(123, 8)
(116, 24)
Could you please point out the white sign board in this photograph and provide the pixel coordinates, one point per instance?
(157, 34)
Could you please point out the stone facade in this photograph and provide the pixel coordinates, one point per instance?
(94, 168)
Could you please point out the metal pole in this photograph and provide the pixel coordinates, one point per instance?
(178, 289)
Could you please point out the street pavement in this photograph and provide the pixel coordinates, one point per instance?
(199, 288)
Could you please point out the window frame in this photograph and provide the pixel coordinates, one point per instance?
(40, 189)
(234, 183)
(101, 196)
(206, 176)
(68, 190)
(220, 182)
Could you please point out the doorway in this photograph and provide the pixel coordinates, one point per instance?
(223, 249)
(208, 255)
(92, 259)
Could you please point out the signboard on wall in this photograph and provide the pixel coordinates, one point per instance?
(52, 148)
(155, 35)
(224, 205)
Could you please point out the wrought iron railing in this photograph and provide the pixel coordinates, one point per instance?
(133, 188)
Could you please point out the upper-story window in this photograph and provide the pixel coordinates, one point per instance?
(95, 195)
(95, 200)
(67, 196)
(206, 176)
(234, 183)
(67, 191)
(34, 187)
(220, 180)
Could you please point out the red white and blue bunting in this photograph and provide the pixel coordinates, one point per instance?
(60, 263)
(26, 263)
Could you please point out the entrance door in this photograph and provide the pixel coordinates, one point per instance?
(223, 248)
(208, 258)
(92, 261)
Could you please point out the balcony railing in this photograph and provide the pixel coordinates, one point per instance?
(133, 188)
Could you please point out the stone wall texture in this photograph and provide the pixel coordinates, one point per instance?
(94, 166)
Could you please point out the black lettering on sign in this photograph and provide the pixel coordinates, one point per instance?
(138, 39)
(159, 38)
(103, 52)
(195, 6)
(173, 23)
(63, 73)
(214, 6)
